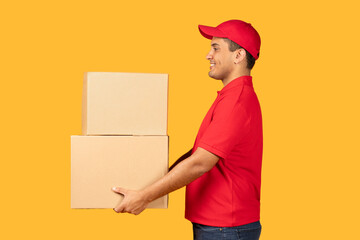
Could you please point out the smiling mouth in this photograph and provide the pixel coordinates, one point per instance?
(212, 65)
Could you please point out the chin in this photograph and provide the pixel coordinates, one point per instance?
(214, 76)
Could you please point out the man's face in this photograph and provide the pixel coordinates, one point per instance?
(221, 59)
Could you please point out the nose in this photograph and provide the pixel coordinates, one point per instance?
(209, 55)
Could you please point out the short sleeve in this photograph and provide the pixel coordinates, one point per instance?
(230, 123)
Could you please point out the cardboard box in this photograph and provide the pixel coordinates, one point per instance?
(99, 163)
(124, 104)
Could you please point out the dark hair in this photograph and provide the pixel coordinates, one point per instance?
(234, 46)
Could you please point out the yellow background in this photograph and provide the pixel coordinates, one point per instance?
(307, 80)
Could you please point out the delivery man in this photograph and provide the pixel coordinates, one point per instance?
(222, 173)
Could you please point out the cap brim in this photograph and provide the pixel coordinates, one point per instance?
(210, 32)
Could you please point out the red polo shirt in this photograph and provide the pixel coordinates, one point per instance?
(229, 194)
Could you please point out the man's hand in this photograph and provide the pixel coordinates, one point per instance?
(134, 202)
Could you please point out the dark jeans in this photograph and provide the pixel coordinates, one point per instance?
(249, 231)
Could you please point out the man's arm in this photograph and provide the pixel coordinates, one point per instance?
(182, 174)
(183, 157)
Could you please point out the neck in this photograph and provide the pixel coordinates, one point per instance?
(227, 80)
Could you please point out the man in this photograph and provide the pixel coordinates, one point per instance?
(223, 170)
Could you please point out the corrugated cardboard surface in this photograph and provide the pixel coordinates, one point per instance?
(99, 163)
(125, 104)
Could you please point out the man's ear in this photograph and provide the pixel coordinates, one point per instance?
(240, 55)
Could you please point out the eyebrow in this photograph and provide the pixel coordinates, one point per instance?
(215, 44)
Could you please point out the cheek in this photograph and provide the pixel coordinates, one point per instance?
(230, 60)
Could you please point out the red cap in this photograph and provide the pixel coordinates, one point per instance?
(237, 31)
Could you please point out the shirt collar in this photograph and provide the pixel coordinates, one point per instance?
(243, 80)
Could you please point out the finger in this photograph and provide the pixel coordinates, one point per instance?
(119, 190)
(138, 211)
(119, 209)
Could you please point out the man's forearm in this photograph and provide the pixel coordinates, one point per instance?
(182, 174)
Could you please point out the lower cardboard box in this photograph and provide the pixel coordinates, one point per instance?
(99, 163)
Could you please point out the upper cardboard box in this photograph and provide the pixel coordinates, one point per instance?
(124, 104)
